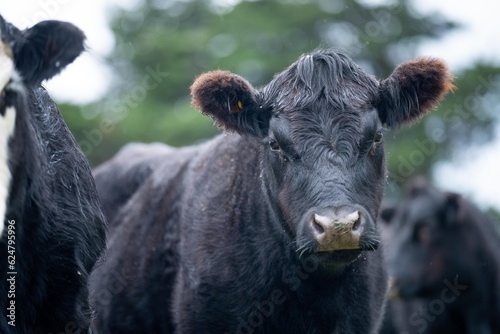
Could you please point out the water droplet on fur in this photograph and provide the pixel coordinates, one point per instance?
(58, 63)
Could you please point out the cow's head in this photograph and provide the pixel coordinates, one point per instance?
(431, 240)
(321, 123)
(26, 59)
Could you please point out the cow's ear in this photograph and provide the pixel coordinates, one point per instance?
(418, 186)
(46, 49)
(452, 209)
(412, 90)
(231, 102)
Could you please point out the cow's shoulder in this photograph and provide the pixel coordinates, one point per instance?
(224, 159)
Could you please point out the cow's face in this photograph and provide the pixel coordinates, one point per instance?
(320, 123)
(429, 242)
(26, 58)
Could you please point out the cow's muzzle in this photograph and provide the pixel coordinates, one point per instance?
(339, 229)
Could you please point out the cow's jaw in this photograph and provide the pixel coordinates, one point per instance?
(7, 125)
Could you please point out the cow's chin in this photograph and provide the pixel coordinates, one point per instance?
(337, 257)
(333, 261)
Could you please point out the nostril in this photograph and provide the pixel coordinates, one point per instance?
(320, 223)
(355, 219)
(317, 227)
(356, 224)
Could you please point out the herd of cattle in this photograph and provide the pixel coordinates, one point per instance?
(275, 226)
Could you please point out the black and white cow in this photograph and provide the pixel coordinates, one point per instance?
(52, 229)
(271, 227)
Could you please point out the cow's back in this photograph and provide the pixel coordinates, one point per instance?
(120, 177)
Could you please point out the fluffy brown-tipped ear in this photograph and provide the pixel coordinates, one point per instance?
(231, 102)
(412, 90)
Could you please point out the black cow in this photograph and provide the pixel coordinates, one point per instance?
(130, 166)
(52, 229)
(270, 229)
(444, 256)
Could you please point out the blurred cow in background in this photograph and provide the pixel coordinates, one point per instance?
(444, 259)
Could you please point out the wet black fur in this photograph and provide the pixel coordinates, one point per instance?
(213, 230)
(59, 226)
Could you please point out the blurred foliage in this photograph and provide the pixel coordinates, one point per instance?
(179, 39)
(495, 216)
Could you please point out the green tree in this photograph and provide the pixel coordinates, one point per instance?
(179, 39)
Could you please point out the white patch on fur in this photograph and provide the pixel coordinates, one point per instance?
(7, 123)
(6, 65)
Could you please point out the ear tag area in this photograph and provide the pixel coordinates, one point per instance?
(234, 106)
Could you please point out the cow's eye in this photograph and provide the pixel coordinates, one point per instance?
(379, 136)
(274, 145)
(422, 233)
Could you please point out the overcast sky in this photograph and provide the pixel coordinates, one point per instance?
(475, 173)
